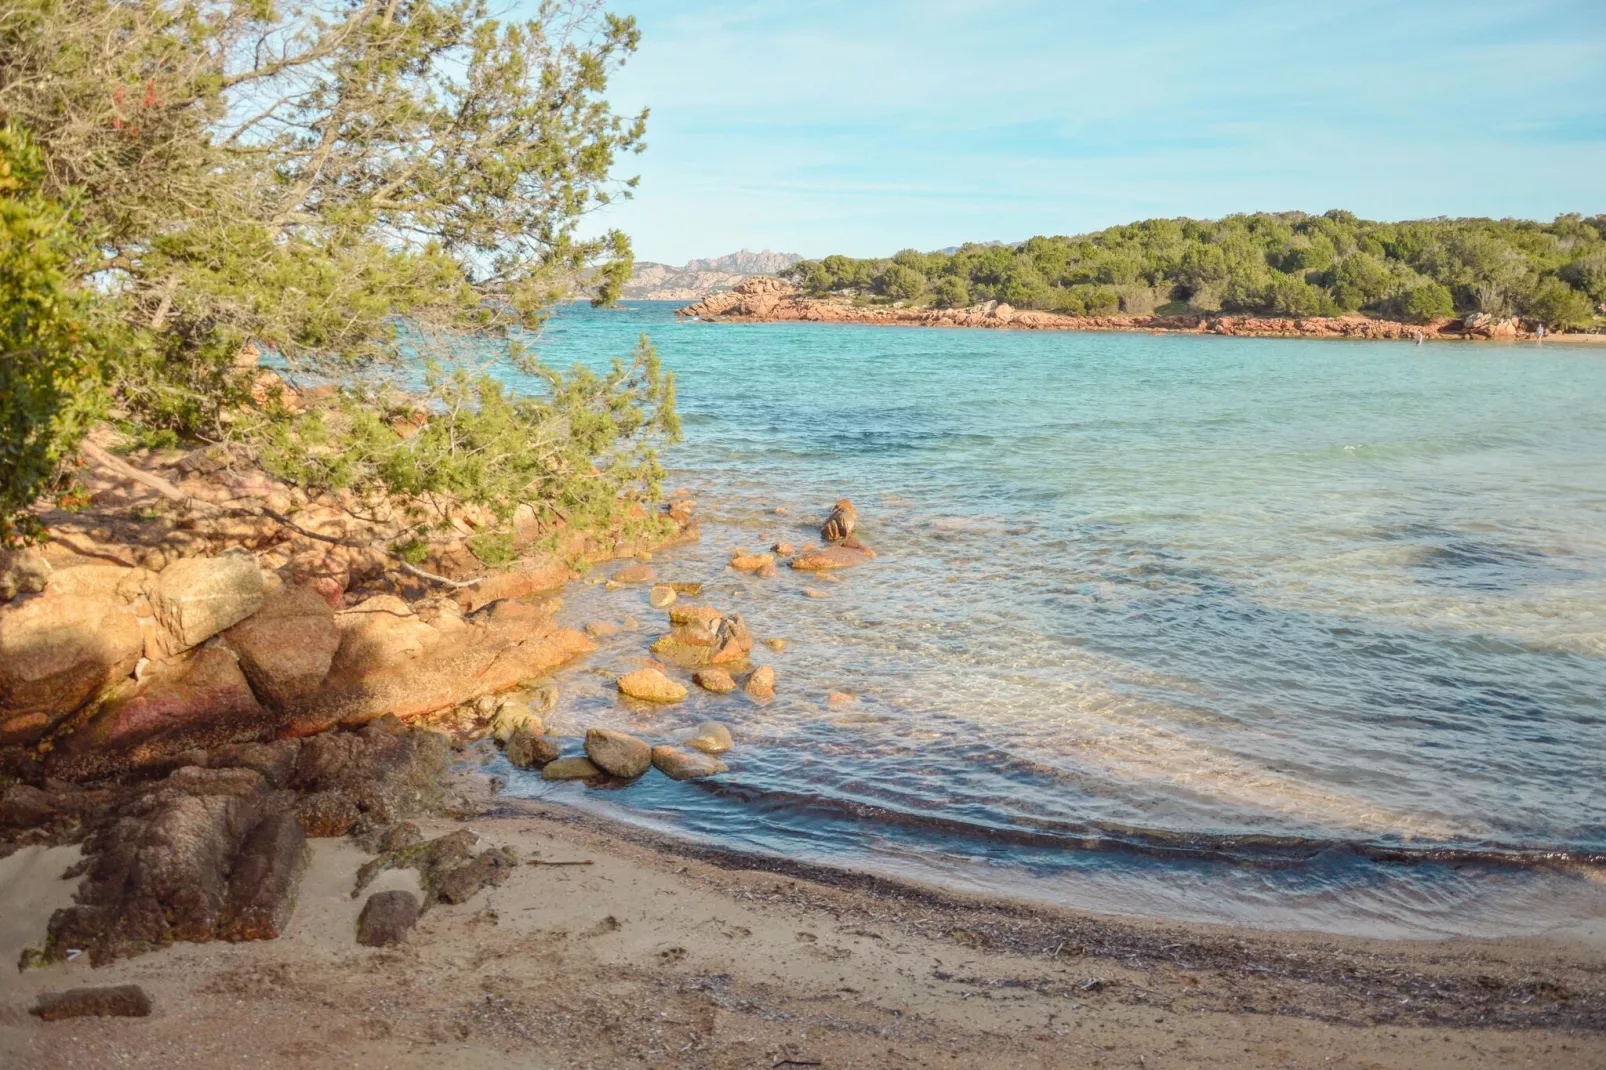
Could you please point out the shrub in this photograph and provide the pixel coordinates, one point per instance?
(50, 349)
(901, 283)
(1426, 303)
(951, 292)
(1555, 304)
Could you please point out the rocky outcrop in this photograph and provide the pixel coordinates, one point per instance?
(198, 597)
(772, 299)
(56, 653)
(449, 870)
(287, 646)
(702, 637)
(201, 702)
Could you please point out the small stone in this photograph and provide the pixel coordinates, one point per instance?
(529, 749)
(677, 764)
(599, 629)
(751, 562)
(635, 574)
(511, 719)
(710, 737)
(690, 589)
(108, 1001)
(812, 593)
(841, 698)
(785, 549)
(387, 918)
(781, 511)
(767, 571)
(618, 753)
(716, 680)
(776, 645)
(661, 596)
(570, 769)
(650, 685)
(761, 685)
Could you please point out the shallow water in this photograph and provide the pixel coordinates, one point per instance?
(1295, 633)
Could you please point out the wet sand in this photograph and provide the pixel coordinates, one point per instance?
(662, 953)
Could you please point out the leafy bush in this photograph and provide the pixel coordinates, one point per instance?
(1426, 303)
(1557, 305)
(951, 292)
(901, 283)
(50, 347)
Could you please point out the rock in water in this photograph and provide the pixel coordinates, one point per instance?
(761, 685)
(650, 685)
(839, 525)
(570, 769)
(527, 749)
(387, 918)
(677, 764)
(635, 574)
(716, 680)
(751, 562)
(710, 737)
(110, 1001)
(839, 556)
(661, 596)
(618, 753)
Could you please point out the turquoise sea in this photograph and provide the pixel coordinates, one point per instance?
(1303, 634)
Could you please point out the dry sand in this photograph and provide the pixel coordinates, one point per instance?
(667, 955)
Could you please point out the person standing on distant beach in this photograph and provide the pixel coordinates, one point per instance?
(1539, 331)
(1419, 336)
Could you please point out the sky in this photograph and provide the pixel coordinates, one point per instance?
(818, 126)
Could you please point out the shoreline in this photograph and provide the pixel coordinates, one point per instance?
(615, 945)
(772, 300)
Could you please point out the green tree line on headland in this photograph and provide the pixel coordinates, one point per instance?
(365, 193)
(1284, 263)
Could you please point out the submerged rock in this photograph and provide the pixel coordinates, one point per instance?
(710, 737)
(618, 753)
(839, 525)
(387, 918)
(830, 557)
(761, 685)
(677, 764)
(634, 574)
(570, 769)
(661, 596)
(751, 562)
(650, 685)
(716, 680)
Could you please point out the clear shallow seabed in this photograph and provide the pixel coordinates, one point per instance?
(1293, 633)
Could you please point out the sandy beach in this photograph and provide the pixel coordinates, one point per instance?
(612, 946)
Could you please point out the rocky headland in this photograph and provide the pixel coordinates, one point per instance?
(767, 299)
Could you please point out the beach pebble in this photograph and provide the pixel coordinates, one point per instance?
(650, 685)
(618, 753)
(661, 596)
(761, 685)
(710, 737)
(716, 680)
(103, 1001)
(387, 918)
(570, 769)
(528, 749)
(677, 764)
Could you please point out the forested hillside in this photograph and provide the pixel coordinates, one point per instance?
(1285, 263)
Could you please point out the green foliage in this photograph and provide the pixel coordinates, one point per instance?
(352, 189)
(1426, 303)
(951, 292)
(901, 283)
(50, 346)
(1557, 305)
(1285, 263)
(582, 450)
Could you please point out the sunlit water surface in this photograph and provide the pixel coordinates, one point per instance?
(1291, 633)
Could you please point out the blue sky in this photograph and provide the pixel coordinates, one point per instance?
(815, 126)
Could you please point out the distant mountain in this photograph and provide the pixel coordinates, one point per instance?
(701, 278)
